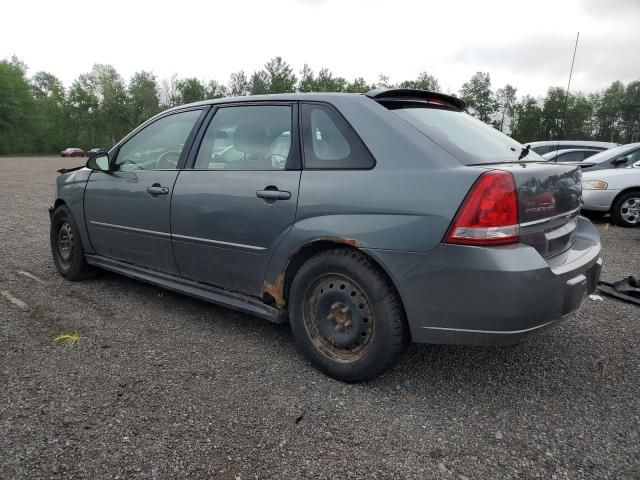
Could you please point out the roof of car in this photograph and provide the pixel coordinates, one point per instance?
(376, 94)
(585, 143)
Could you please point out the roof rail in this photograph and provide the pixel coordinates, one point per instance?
(411, 93)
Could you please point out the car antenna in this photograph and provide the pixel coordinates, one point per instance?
(566, 97)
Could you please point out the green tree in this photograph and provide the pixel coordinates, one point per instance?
(190, 90)
(82, 111)
(307, 81)
(215, 89)
(144, 101)
(552, 113)
(239, 85)
(506, 102)
(425, 81)
(526, 125)
(631, 113)
(169, 96)
(359, 85)
(111, 92)
(259, 83)
(608, 115)
(16, 108)
(280, 77)
(49, 119)
(478, 96)
(384, 82)
(326, 82)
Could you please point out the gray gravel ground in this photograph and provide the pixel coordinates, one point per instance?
(164, 386)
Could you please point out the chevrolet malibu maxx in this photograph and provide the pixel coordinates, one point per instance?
(365, 221)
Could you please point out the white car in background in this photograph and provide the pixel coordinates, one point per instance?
(615, 191)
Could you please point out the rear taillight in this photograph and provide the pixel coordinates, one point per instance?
(489, 213)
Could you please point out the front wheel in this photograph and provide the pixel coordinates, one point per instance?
(626, 210)
(346, 316)
(66, 246)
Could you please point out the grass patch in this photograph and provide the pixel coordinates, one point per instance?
(69, 339)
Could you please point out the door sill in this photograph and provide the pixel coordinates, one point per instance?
(236, 301)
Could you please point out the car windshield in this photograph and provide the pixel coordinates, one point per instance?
(466, 138)
(609, 154)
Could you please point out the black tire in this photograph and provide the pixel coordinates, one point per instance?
(66, 246)
(346, 316)
(626, 209)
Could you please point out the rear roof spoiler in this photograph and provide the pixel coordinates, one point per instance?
(413, 94)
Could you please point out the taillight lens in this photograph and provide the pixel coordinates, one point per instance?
(489, 213)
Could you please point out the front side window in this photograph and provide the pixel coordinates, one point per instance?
(330, 142)
(247, 138)
(159, 145)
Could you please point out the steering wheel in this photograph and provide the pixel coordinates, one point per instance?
(168, 160)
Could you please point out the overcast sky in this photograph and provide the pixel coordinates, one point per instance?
(528, 44)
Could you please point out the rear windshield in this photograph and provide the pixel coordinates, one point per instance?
(466, 138)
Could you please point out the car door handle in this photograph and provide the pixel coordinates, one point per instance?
(156, 189)
(273, 194)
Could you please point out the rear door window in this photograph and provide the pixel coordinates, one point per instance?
(247, 138)
(330, 142)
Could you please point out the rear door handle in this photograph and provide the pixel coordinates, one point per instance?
(273, 194)
(156, 189)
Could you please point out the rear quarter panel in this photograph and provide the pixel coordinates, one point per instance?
(405, 203)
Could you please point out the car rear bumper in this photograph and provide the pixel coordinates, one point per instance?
(491, 296)
(598, 200)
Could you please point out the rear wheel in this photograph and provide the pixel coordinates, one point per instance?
(66, 246)
(346, 317)
(626, 210)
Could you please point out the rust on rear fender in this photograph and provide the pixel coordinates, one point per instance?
(276, 289)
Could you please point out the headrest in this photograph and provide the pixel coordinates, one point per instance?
(251, 138)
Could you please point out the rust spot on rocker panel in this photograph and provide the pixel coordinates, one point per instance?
(276, 290)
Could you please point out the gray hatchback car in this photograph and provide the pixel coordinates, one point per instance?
(366, 221)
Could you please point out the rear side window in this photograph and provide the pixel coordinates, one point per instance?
(571, 157)
(469, 140)
(330, 142)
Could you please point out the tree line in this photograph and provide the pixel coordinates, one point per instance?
(38, 114)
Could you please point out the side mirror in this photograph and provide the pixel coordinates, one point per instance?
(620, 161)
(99, 161)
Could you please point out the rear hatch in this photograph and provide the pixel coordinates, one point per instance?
(549, 199)
(549, 194)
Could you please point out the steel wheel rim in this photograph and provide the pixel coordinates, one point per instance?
(630, 210)
(339, 318)
(65, 244)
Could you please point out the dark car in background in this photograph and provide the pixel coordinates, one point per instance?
(547, 146)
(365, 221)
(570, 154)
(73, 152)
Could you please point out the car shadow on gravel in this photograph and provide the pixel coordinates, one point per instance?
(446, 365)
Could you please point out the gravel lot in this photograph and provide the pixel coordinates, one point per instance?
(164, 386)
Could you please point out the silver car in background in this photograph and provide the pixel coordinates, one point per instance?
(546, 146)
(615, 191)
